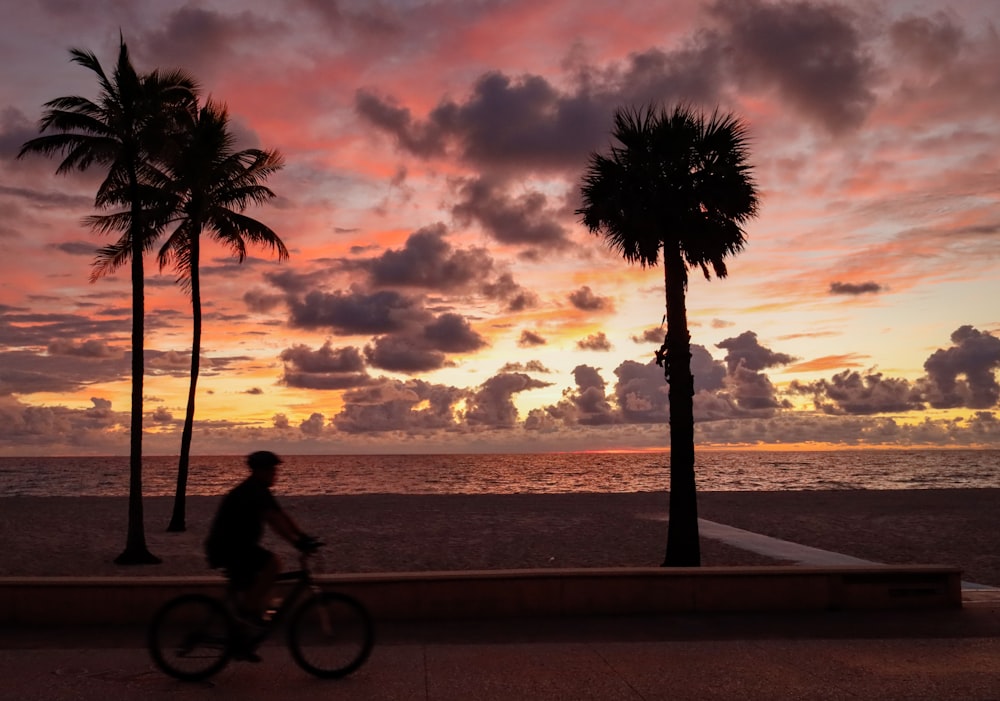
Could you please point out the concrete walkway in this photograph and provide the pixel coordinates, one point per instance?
(786, 550)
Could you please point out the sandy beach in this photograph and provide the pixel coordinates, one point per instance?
(67, 536)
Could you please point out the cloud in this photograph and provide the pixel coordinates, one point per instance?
(850, 392)
(595, 342)
(530, 366)
(390, 405)
(492, 405)
(313, 426)
(398, 354)
(641, 393)
(744, 350)
(964, 375)
(452, 333)
(506, 123)
(584, 299)
(929, 42)
(811, 53)
(524, 219)
(516, 298)
(848, 288)
(530, 338)
(421, 347)
(92, 348)
(425, 140)
(356, 312)
(324, 369)
(655, 334)
(428, 261)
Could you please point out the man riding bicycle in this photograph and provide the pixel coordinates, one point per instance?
(233, 541)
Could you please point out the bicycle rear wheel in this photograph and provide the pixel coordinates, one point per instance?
(190, 637)
(330, 635)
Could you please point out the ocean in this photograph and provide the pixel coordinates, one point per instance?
(515, 474)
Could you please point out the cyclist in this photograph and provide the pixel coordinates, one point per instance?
(233, 541)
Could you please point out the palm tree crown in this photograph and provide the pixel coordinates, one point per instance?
(676, 179)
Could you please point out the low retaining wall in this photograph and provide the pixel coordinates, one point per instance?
(510, 593)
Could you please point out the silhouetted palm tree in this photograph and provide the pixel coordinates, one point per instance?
(216, 184)
(125, 130)
(679, 183)
(211, 184)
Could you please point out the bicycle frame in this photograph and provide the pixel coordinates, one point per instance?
(302, 583)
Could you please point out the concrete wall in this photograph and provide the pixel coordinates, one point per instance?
(508, 593)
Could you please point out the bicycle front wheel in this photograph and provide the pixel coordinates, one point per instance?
(330, 635)
(190, 637)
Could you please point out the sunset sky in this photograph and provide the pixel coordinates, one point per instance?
(441, 294)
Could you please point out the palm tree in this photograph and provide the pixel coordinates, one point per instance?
(679, 183)
(124, 131)
(211, 184)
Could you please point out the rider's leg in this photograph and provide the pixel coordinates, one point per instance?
(255, 597)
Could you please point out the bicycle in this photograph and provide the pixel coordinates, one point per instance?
(329, 634)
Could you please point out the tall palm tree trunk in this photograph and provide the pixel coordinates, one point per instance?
(683, 548)
(178, 517)
(136, 552)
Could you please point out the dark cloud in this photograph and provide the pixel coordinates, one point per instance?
(965, 374)
(709, 373)
(744, 350)
(530, 338)
(848, 288)
(399, 354)
(313, 426)
(26, 372)
(812, 53)
(492, 404)
(50, 199)
(198, 38)
(751, 390)
(87, 349)
(516, 298)
(76, 248)
(43, 426)
(393, 406)
(15, 129)
(595, 342)
(356, 312)
(930, 42)
(585, 300)
(590, 404)
(656, 335)
(452, 333)
(641, 393)
(525, 219)
(530, 366)
(427, 260)
(258, 300)
(326, 368)
(516, 124)
(850, 392)
(425, 140)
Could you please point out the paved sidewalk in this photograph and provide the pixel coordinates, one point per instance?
(787, 550)
(935, 655)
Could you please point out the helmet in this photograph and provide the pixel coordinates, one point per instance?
(262, 459)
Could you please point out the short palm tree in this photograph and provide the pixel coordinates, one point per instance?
(679, 183)
(125, 130)
(209, 184)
